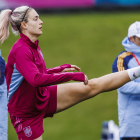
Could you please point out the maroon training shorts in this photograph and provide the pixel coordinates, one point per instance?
(30, 129)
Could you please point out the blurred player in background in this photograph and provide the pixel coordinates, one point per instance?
(3, 101)
(32, 91)
(129, 94)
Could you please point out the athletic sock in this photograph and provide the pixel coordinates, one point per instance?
(134, 72)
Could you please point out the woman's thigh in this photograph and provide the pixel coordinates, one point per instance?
(70, 94)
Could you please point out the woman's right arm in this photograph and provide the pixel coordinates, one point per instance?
(26, 66)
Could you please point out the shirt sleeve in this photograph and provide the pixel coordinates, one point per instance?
(119, 64)
(131, 87)
(58, 69)
(26, 66)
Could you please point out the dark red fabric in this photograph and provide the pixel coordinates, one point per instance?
(33, 94)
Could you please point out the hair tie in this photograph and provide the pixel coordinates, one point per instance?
(23, 18)
(25, 14)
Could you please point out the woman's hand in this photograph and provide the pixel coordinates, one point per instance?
(73, 68)
(86, 80)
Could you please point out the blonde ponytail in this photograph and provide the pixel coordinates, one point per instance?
(4, 24)
(15, 17)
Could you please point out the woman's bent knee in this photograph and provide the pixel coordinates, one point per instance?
(95, 87)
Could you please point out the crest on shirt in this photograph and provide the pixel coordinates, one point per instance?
(27, 130)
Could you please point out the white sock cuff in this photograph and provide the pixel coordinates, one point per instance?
(134, 72)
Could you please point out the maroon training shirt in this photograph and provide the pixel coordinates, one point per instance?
(27, 78)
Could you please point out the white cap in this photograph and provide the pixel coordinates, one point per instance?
(134, 29)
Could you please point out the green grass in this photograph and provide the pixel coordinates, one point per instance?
(91, 41)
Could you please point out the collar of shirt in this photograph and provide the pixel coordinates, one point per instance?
(28, 41)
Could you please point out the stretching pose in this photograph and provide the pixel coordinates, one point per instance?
(32, 91)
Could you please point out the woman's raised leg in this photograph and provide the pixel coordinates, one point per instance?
(70, 94)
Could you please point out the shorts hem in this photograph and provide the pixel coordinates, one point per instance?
(52, 105)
